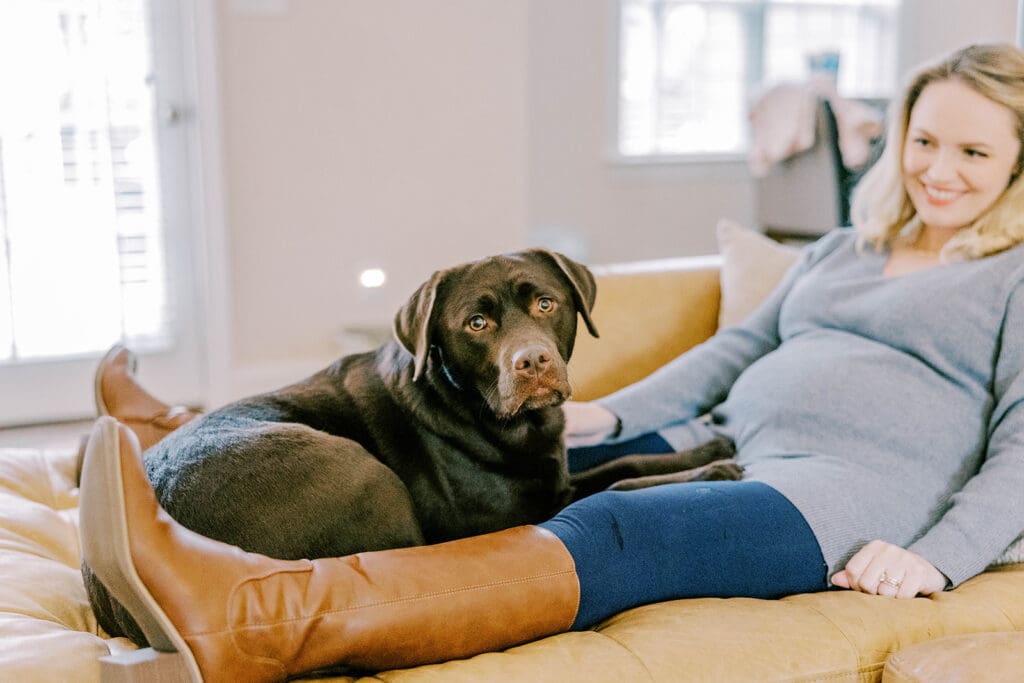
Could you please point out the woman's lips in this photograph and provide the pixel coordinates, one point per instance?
(939, 197)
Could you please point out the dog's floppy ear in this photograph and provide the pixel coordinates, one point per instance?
(584, 289)
(413, 322)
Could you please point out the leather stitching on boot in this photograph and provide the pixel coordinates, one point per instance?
(382, 603)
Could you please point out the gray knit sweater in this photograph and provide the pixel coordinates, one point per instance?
(883, 407)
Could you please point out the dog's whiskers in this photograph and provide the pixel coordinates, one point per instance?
(570, 381)
(491, 395)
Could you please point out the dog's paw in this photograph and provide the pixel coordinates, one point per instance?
(721, 470)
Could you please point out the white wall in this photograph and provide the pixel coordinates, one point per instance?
(415, 134)
(360, 134)
(577, 194)
(931, 28)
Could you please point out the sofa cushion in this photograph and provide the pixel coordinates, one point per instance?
(833, 636)
(752, 265)
(974, 658)
(647, 312)
(47, 630)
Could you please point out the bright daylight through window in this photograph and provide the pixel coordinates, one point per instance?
(81, 262)
(688, 69)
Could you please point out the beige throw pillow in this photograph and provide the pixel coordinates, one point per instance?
(752, 265)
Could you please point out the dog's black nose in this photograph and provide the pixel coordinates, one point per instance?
(531, 360)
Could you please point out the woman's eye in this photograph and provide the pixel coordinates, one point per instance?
(922, 142)
(545, 304)
(975, 153)
(477, 323)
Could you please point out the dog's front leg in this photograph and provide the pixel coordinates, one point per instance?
(631, 467)
(720, 470)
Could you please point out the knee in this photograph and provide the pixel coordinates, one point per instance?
(595, 521)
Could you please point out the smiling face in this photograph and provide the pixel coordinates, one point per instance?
(960, 152)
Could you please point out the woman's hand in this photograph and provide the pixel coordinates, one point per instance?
(587, 424)
(882, 568)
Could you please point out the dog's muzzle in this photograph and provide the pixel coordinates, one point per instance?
(533, 377)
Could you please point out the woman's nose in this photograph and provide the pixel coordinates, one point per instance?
(942, 166)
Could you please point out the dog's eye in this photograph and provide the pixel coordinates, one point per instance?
(477, 323)
(546, 304)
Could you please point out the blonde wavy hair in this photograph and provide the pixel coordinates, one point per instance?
(881, 211)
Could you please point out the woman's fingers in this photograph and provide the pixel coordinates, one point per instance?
(841, 579)
(881, 568)
(863, 571)
(910, 588)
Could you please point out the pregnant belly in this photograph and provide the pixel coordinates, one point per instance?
(833, 393)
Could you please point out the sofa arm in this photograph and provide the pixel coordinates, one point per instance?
(969, 658)
(647, 313)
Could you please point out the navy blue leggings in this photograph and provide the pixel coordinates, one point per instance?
(701, 539)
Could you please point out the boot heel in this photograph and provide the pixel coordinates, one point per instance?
(105, 547)
(144, 666)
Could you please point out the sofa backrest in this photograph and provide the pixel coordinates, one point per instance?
(647, 313)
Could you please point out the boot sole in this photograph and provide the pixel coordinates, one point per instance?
(105, 546)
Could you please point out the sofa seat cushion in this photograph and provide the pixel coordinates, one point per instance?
(976, 658)
(48, 632)
(834, 636)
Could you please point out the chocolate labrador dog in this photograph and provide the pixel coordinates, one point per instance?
(452, 429)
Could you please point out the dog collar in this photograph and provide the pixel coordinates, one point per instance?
(445, 371)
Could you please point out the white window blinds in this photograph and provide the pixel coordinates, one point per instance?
(81, 258)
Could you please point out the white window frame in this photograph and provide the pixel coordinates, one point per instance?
(613, 153)
(184, 54)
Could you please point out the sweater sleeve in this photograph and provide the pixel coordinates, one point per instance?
(701, 378)
(987, 514)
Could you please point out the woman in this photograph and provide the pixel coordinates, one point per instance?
(877, 394)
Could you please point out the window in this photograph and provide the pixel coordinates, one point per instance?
(687, 69)
(85, 220)
(82, 263)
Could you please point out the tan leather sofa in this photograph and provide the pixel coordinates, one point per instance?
(646, 313)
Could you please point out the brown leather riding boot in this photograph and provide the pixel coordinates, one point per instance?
(119, 395)
(235, 616)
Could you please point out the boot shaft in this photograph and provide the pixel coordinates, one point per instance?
(398, 608)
